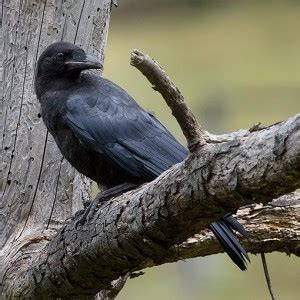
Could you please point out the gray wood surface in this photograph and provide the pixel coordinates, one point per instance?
(39, 189)
(1, 74)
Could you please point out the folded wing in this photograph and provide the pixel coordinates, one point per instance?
(110, 122)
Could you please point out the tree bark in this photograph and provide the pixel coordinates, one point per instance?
(44, 253)
(39, 189)
(139, 228)
(278, 230)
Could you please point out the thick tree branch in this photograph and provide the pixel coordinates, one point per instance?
(141, 227)
(273, 227)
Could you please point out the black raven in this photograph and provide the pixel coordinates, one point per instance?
(106, 135)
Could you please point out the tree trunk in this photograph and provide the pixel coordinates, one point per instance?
(39, 189)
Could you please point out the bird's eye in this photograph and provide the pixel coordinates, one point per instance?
(60, 55)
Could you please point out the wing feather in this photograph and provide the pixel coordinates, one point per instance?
(107, 120)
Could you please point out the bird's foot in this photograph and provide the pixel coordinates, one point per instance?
(96, 203)
(104, 197)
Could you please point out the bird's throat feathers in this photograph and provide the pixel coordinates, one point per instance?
(47, 83)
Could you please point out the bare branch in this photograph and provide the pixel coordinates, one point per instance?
(194, 134)
(267, 276)
(115, 3)
(273, 227)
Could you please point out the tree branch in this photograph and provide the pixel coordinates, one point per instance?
(278, 230)
(194, 134)
(140, 228)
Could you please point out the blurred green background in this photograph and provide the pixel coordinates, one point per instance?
(237, 63)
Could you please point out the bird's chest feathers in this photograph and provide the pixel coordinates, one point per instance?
(52, 113)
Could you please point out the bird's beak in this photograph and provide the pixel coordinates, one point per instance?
(88, 62)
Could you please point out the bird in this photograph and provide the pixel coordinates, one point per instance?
(107, 136)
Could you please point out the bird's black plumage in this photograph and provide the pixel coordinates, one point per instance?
(105, 134)
(107, 120)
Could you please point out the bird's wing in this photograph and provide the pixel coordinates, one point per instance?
(110, 122)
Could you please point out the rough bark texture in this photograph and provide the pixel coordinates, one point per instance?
(278, 230)
(43, 257)
(39, 189)
(139, 228)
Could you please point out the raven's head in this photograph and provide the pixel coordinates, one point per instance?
(65, 59)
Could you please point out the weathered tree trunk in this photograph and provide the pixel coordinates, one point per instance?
(1, 74)
(39, 189)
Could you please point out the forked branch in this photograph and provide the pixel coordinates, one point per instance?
(144, 227)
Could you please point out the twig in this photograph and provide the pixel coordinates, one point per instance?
(255, 127)
(264, 262)
(115, 3)
(194, 134)
(116, 286)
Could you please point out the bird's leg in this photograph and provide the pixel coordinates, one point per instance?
(105, 196)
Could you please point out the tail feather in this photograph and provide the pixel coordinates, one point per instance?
(222, 229)
(233, 223)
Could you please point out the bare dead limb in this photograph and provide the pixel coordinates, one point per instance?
(267, 275)
(278, 230)
(161, 82)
